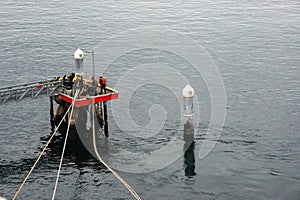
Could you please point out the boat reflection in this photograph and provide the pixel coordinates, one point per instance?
(75, 151)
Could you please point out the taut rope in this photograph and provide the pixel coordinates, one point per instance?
(64, 147)
(37, 160)
(131, 190)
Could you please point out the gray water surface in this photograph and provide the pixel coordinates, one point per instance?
(255, 46)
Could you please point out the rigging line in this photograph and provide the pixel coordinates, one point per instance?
(37, 160)
(131, 190)
(64, 147)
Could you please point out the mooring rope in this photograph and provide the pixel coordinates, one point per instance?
(131, 190)
(64, 147)
(37, 160)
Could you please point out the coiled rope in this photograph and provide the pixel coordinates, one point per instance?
(37, 160)
(131, 190)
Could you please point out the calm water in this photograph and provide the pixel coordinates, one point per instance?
(256, 48)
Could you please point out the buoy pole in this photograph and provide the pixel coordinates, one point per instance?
(188, 132)
(93, 64)
(188, 98)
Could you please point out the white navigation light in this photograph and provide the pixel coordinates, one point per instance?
(78, 55)
(188, 94)
(188, 91)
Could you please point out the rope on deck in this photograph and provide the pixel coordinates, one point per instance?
(37, 160)
(64, 147)
(131, 190)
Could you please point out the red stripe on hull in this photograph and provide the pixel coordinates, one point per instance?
(84, 102)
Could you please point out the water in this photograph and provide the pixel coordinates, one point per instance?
(256, 48)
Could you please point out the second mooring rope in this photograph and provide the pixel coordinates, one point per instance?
(64, 147)
(131, 190)
(37, 160)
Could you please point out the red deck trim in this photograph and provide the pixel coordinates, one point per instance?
(84, 102)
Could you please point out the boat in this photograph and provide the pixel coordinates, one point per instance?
(88, 94)
(82, 93)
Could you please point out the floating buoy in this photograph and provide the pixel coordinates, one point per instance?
(188, 95)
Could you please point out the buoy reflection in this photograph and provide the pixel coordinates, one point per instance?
(189, 146)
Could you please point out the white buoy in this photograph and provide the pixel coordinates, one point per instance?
(188, 96)
(1, 198)
(188, 131)
(78, 55)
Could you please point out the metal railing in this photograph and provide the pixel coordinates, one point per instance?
(33, 89)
